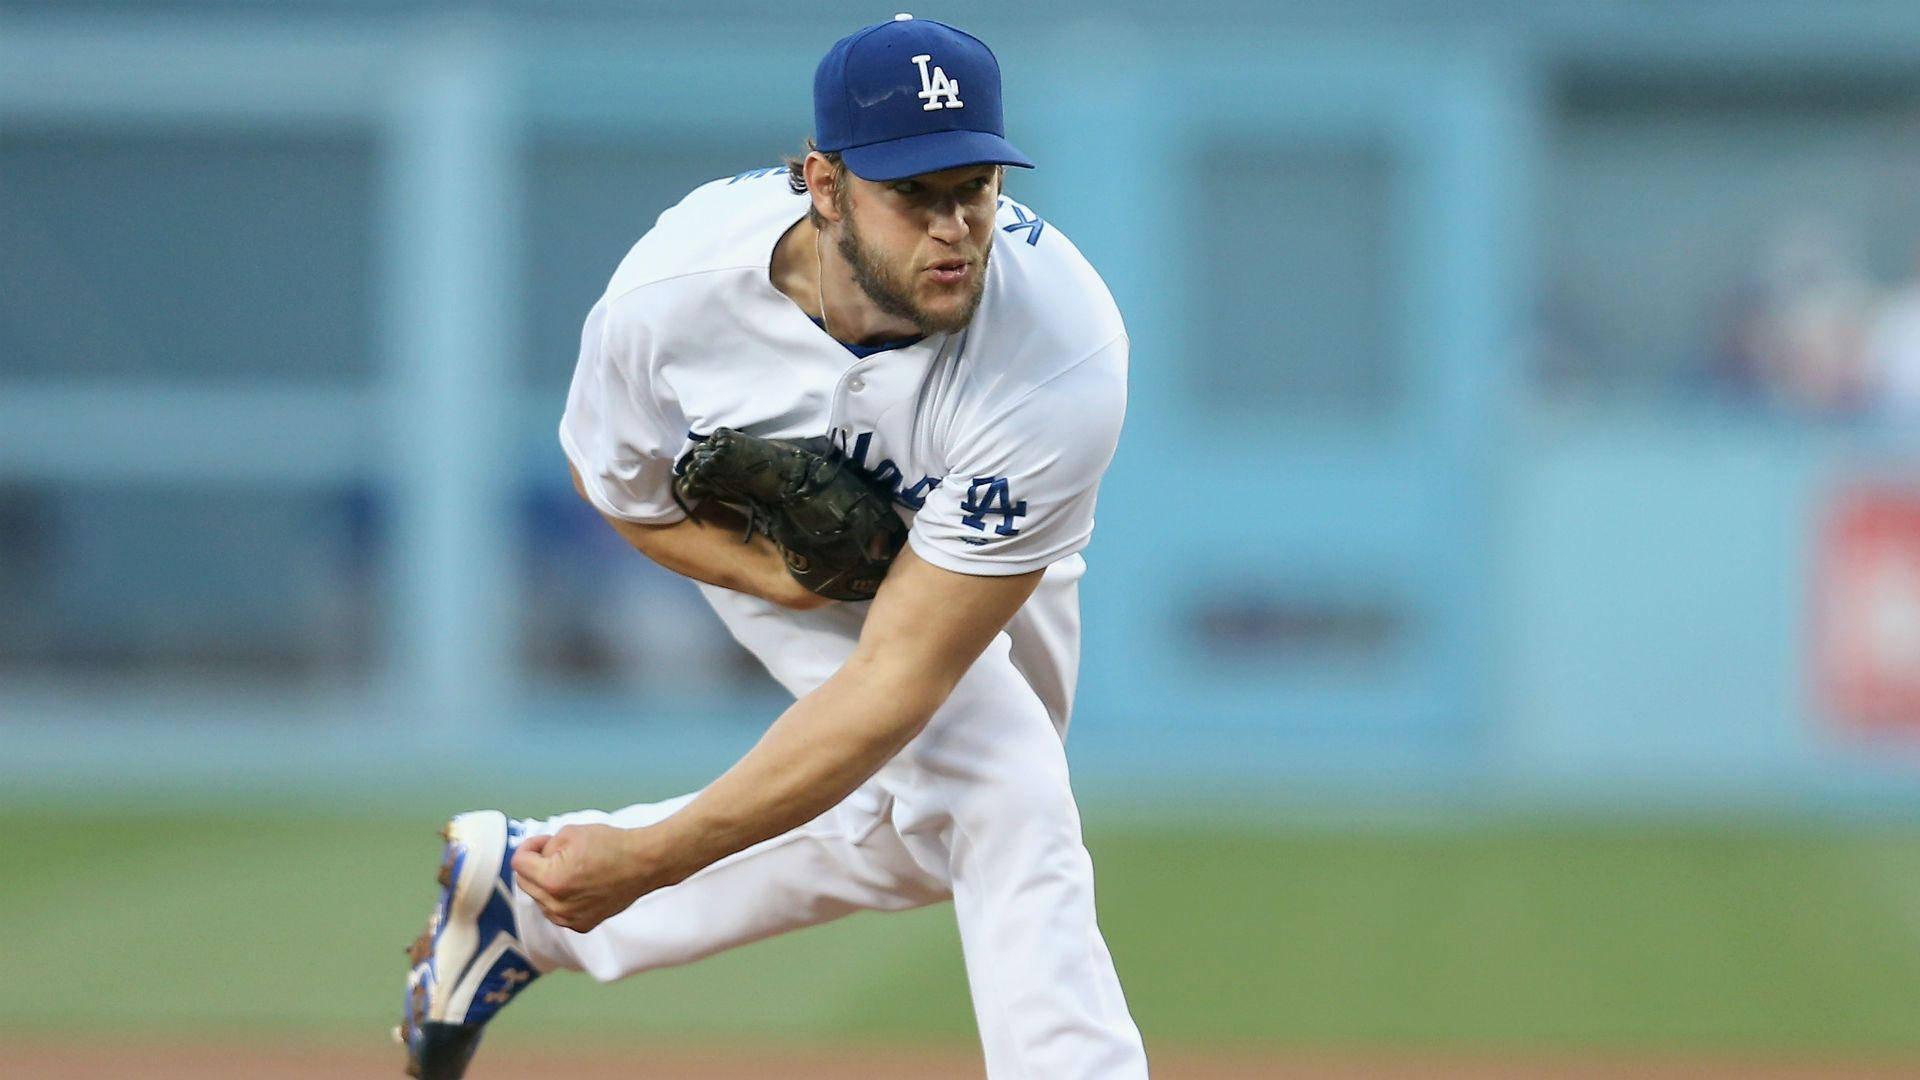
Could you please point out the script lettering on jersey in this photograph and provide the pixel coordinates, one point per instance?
(938, 91)
(990, 495)
(888, 474)
(1023, 218)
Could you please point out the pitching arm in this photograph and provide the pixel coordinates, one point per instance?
(926, 628)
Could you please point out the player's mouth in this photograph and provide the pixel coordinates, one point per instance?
(950, 271)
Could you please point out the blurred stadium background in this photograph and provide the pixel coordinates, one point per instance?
(1503, 633)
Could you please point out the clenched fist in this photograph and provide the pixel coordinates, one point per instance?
(585, 874)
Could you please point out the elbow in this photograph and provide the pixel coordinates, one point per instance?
(804, 601)
(793, 596)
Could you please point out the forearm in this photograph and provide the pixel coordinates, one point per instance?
(924, 630)
(823, 747)
(812, 757)
(710, 548)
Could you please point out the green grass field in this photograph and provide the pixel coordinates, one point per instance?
(1497, 936)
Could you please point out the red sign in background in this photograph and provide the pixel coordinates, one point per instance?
(1868, 615)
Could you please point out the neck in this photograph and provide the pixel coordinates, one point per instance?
(809, 270)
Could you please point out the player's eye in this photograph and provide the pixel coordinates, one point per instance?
(907, 187)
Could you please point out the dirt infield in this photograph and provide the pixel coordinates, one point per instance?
(48, 1062)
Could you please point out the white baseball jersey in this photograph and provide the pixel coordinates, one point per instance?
(993, 439)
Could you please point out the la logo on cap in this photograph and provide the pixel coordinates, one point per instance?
(938, 91)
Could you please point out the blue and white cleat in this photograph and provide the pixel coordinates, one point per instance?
(470, 961)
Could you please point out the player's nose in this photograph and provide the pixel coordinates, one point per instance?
(948, 225)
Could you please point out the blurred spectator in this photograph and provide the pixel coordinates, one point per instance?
(1893, 349)
(347, 598)
(1795, 334)
(26, 542)
(598, 610)
(1562, 345)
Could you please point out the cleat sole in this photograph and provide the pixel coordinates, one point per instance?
(449, 1047)
(436, 1048)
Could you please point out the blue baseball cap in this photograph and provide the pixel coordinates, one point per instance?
(910, 96)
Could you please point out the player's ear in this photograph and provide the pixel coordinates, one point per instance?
(823, 182)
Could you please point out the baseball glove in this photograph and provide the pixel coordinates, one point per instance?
(835, 527)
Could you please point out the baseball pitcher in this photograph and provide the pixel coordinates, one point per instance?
(900, 388)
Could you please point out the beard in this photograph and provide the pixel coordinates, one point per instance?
(892, 291)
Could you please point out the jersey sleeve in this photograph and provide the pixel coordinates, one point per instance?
(619, 436)
(1020, 489)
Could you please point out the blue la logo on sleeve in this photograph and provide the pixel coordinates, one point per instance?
(989, 495)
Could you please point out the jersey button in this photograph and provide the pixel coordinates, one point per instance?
(856, 384)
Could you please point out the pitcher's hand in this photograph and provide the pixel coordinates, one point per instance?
(584, 875)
